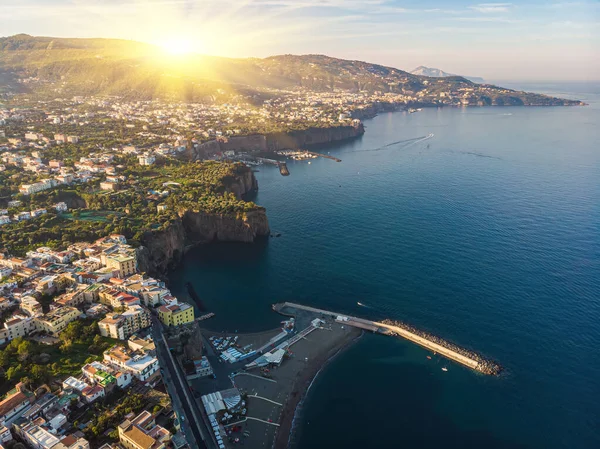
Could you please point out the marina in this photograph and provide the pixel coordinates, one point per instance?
(428, 341)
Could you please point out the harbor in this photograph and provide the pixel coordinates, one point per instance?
(428, 341)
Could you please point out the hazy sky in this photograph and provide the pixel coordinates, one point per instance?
(531, 40)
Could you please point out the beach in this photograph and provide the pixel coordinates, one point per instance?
(274, 401)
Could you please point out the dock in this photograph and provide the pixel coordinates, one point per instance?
(326, 156)
(435, 344)
(283, 169)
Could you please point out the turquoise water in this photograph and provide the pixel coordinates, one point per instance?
(487, 234)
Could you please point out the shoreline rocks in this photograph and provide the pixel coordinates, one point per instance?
(486, 366)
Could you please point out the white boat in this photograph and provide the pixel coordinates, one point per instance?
(444, 369)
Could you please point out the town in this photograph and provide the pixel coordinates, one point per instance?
(79, 363)
(95, 350)
(98, 354)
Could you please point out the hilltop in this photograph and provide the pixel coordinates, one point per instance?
(55, 66)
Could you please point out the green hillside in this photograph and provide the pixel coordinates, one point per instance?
(52, 66)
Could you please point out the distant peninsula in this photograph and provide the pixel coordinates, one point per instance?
(437, 73)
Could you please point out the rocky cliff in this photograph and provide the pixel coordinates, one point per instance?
(277, 141)
(163, 249)
(312, 136)
(243, 184)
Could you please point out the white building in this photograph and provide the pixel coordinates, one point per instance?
(142, 366)
(19, 326)
(28, 189)
(73, 383)
(38, 212)
(61, 207)
(146, 159)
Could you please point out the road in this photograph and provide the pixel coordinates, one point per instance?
(194, 427)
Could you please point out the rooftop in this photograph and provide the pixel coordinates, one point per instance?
(136, 435)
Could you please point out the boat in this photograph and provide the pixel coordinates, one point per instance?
(429, 357)
(444, 369)
(359, 303)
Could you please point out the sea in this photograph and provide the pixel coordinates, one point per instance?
(480, 225)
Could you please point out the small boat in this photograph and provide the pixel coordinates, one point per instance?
(429, 357)
(360, 303)
(308, 162)
(444, 369)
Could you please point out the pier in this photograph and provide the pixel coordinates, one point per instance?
(283, 169)
(387, 327)
(326, 156)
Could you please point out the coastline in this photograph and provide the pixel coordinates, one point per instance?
(293, 407)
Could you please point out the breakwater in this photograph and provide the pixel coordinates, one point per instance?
(441, 346)
(429, 341)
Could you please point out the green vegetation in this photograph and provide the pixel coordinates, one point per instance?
(203, 187)
(35, 364)
(111, 412)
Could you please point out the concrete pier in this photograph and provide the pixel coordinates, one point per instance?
(452, 352)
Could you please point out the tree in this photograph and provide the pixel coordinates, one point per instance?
(5, 358)
(24, 350)
(25, 381)
(39, 373)
(14, 372)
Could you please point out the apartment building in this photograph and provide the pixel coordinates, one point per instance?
(176, 314)
(123, 325)
(55, 322)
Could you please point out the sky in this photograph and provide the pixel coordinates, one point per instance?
(531, 40)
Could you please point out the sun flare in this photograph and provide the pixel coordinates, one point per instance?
(177, 46)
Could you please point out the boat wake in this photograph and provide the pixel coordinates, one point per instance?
(407, 143)
(473, 153)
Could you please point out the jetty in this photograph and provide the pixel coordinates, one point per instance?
(326, 156)
(428, 341)
(283, 169)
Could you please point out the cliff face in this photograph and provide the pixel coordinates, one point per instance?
(277, 141)
(376, 108)
(312, 136)
(243, 184)
(162, 250)
(202, 227)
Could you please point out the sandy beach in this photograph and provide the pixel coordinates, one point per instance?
(306, 377)
(273, 402)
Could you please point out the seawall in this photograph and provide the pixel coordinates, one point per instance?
(428, 341)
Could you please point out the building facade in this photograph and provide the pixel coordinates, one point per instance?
(176, 314)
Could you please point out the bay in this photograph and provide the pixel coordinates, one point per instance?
(487, 233)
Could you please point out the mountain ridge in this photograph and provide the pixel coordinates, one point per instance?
(129, 69)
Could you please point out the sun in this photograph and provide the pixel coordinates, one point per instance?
(177, 46)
